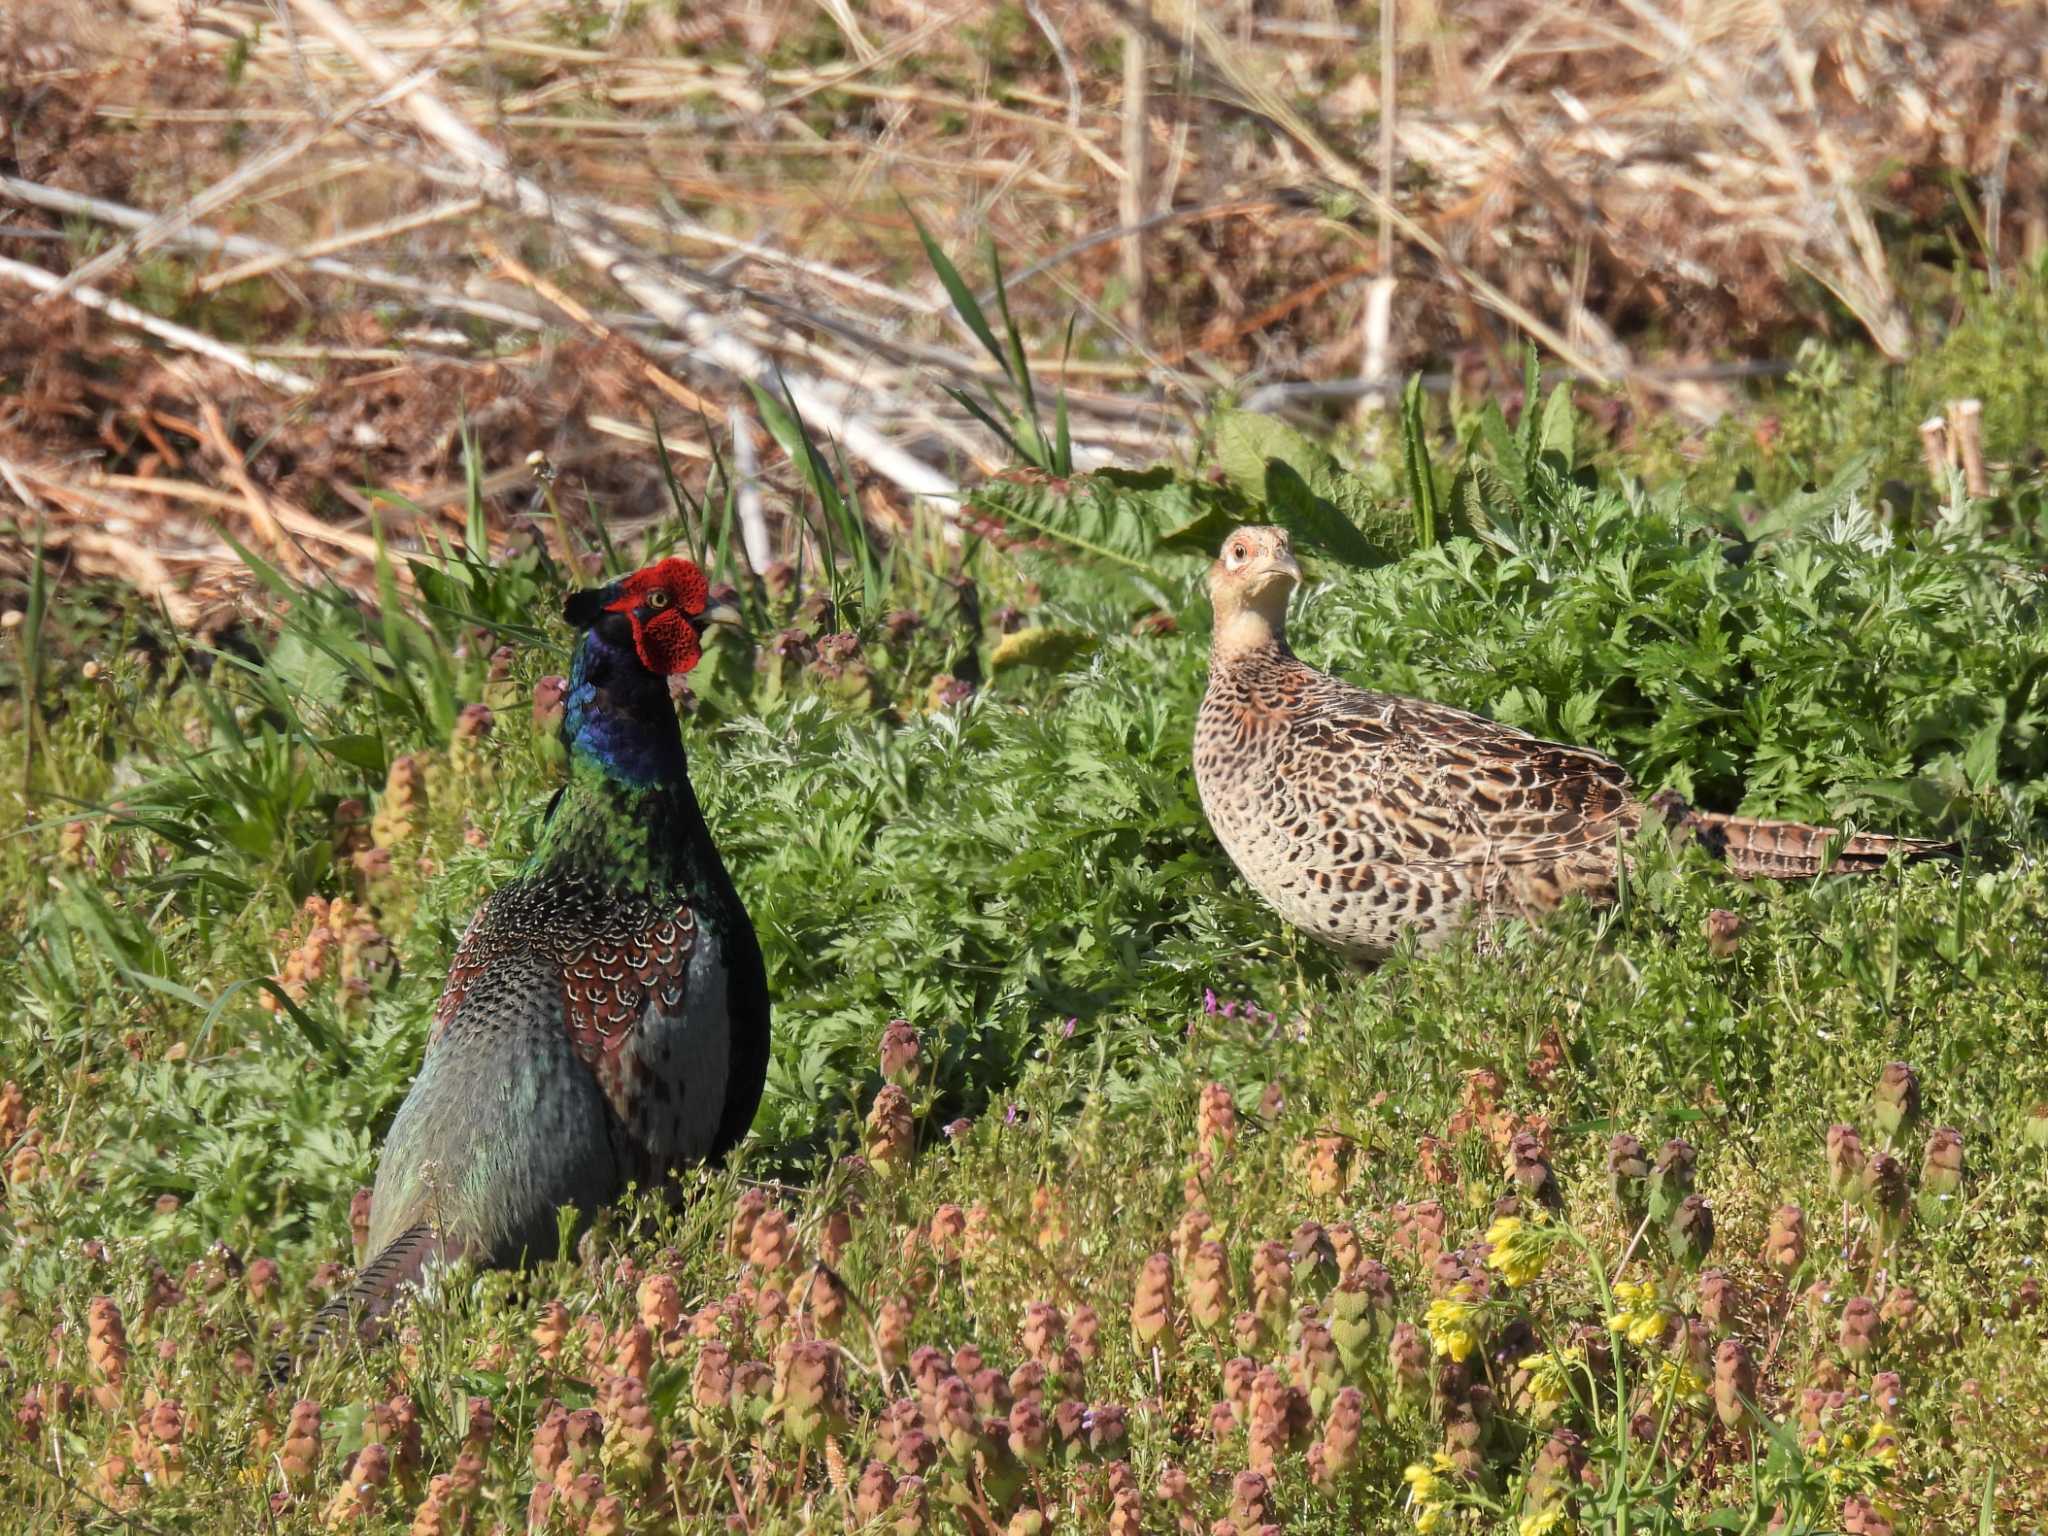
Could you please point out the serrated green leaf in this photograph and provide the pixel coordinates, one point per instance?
(1320, 525)
(1558, 432)
(1505, 450)
(1805, 508)
(1245, 442)
(1526, 423)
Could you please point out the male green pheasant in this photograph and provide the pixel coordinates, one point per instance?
(1360, 816)
(606, 1016)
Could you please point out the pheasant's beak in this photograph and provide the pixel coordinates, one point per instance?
(726, 613)
(1279, 565)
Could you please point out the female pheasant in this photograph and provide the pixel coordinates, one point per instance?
(605, 1019)
(1360, 816)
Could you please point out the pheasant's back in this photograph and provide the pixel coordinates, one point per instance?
(634, 978)
(1360, 816)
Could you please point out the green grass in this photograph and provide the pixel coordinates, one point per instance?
(1148, 1060)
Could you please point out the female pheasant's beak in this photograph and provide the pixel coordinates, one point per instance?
(1279, 564)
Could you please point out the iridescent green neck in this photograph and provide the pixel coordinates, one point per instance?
(593, 818)
(619, 717)
(628, 818)
(627, 836)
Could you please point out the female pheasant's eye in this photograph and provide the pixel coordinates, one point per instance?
(658, 598)
(1237, 554)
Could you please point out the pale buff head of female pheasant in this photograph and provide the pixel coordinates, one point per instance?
(1249, 586)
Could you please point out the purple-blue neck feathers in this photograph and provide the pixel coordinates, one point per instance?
(618, 716)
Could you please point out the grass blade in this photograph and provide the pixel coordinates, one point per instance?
(964, 302)
(1415, 459)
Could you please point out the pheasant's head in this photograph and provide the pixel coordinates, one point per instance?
(661, 610)
(1249, 586)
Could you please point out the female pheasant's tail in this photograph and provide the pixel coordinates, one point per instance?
(1790, 850)
(375, 1293)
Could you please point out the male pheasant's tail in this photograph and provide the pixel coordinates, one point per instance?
(1790, 850)
(375, 1292)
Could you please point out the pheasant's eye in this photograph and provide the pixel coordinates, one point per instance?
(1237, 554)
(658, 598)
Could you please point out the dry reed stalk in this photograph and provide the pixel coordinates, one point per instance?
(58, 200)
(1270, 104)
(1966, 427)
(595, 248)
(164, 330)
(142, 567)
(519, 272)
(255, 501)
(1934, 449)
(405, 223)
(1134, 202)
(225, 190)
(1375, 361)
(636, 432)
(746, 472)
(290, 518)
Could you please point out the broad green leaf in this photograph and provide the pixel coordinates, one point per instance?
(311, 674)
(1804, 508)
(1559, 427)
(1246, 442)
(1319, 523)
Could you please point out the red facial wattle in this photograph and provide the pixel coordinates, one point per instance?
(661, 602)
(667, 643)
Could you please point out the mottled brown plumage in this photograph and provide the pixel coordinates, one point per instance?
(1360, 816)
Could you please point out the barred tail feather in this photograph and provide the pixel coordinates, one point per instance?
(1792, 850)
(375, 1292)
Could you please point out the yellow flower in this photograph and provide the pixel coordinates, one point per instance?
(1429, 1490)
(1544, 1521)
(1427, 1479)
(1549, 1377)
(1643, 1318)
(1679, 1380)
(1519, 1249)
(1450, 1321)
